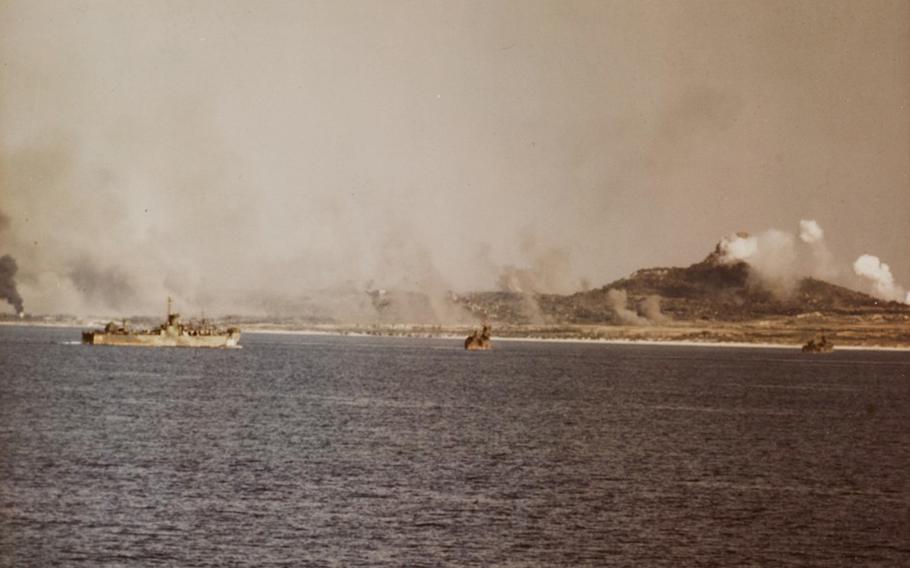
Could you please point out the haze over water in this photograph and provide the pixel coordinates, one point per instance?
(240, 158)
(316, 450)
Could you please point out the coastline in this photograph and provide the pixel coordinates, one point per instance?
(582, 340)
(747, 335)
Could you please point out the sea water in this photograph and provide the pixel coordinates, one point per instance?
(349, 451)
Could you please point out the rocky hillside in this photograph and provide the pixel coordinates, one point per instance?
(708, 290)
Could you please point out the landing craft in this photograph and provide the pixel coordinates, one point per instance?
(820, 345)
(479, 340)
(171, 333)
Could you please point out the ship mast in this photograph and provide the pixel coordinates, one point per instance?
(168, 308)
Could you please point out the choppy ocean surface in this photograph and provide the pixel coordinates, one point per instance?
(341, 451)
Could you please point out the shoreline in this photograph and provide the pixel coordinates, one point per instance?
(595, 341)
(451, 334)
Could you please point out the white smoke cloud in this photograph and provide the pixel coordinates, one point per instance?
(737, 247)
(810, 231)
(822, 261)
(777, 259)
(648, 309)
(618, 300)
(879, 276)
(771, 255)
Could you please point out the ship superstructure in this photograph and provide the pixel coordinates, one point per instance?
(171, 333)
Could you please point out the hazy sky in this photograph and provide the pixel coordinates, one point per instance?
(224, 152)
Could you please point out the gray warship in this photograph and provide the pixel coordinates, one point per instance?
(171, 333)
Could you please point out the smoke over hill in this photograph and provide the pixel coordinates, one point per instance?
(745, 277)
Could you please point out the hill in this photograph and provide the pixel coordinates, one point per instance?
(711, 290)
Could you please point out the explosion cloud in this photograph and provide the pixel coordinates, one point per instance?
(650, 308)
(879, 275)
(810, 231)
(738, 247)
(618, 300)
(777, 259)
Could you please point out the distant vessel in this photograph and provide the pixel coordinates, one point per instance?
(171, 333)
(821, 345)
(479, 340)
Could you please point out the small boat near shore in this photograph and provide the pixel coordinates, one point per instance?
(818, 345)
(479, 340)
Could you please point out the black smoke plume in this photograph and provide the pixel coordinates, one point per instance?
(8, 292)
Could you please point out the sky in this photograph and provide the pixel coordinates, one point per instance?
(238, 155)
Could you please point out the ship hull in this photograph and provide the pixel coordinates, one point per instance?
(221, 341)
